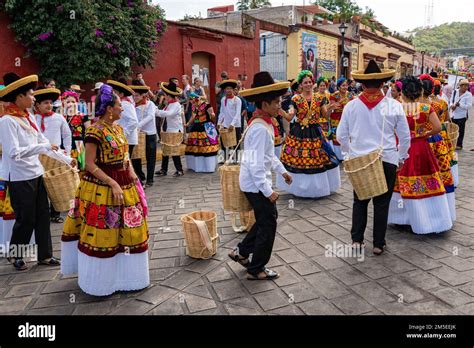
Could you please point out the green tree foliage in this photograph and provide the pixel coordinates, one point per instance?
(86, 40)
(452, 35)
(243, 5)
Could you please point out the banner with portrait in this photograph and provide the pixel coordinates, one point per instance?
(309, 44)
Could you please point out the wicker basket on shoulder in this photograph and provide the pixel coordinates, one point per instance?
(61, 184)
(50, 163)
(366, 175)
(159, 154)
(200, 233)
(139, 151)
(453, 133)
(229, 138)
(233, 199)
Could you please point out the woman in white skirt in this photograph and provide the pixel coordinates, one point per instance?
(105, 236)
(203, 140)
(419, 198)
(307, 154)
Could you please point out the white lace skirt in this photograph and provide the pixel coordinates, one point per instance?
(201, 164)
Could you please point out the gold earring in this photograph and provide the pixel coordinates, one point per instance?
(111, 117)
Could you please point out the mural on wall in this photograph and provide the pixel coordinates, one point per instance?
(327, 56)
(309, 44)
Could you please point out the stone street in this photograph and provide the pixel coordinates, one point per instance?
(432, 274)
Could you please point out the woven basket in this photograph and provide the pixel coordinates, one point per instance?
(233, 199)
(453, 133)
(178, 150)
(139, 151)
(159, 154)
(196, 235)
(61, 184)
(50, 163)
(247, 220)
(229, 138)
(366, 175)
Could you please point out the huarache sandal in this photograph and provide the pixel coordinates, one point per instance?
(243, 261)
(50, 262)
(267, 274)
(57, 219)
(19, 264)
(378, 251)
(161, 173)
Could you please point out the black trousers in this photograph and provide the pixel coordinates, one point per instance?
(381, 206)
(150, 153)
(30, 202)
(52, 212)
(259, 240)
(176, 161)
(461, 122)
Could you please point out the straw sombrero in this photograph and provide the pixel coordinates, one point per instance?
(15, 85)
(264, 88)
(140, 89)
(171, 89)
(374, 73)
(120, 87)
(42, 94)
(228, 83)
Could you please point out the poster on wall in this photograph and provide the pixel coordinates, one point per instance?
(326, 68)
(309, 44)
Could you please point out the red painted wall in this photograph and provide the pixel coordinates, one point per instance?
(12, 52)
(172, 59)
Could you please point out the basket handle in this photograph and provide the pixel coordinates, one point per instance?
(364, 167)
(204, 233)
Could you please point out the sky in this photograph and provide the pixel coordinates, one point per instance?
(398, 15)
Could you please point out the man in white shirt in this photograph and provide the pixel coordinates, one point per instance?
(461, 103)
(22, 142)
(231, 109)
(173, 123)
(146, 113)
(360, 132)
(53, 126)
(128, 118)
(256, 179)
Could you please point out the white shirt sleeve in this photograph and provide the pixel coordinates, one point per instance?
(66, 135)
(148, 115)
(11, 147)
(256, 141)
(128, 119)
(403, 133)
(277, 166)
(342, 132)
(466, 102)
(166, 113)
(221, 113)
(238, 112)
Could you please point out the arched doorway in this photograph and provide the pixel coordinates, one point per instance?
(204, 67)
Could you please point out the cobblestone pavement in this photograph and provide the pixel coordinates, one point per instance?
(431, 274)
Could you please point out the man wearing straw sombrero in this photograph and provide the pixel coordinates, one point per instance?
(255, 179)
(369, 123)
(22, 142)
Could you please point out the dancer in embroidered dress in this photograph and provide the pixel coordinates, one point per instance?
(337, 101)
(307, 154)
(438, 144)
(105, 236)
(203, 141)
(396, 91)
(419, 197)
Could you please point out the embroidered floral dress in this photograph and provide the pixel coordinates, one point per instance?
(419, 198)
(110, 237)
(307, 153)
(335, 117)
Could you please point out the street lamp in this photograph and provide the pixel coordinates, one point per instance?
(422, 62)
(342, 30)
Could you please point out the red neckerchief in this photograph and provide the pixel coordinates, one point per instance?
(266, 117)
(127, 99)
(43, 116)
(226, 97)
(142, 102)
(169, 103)
(371, 99)
(15, 111)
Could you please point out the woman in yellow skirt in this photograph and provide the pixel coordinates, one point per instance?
(105, 238)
